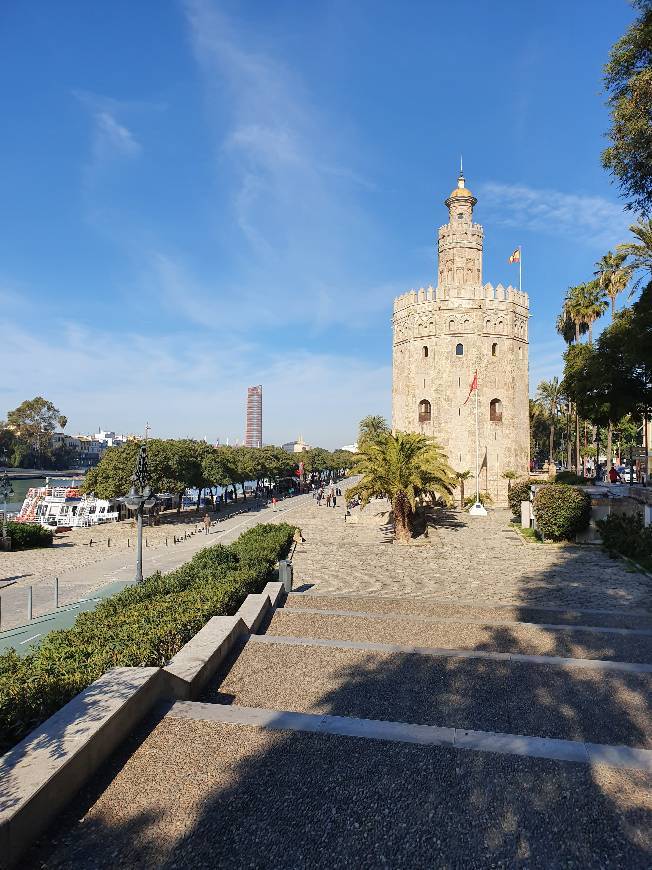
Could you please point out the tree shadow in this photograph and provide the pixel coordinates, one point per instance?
(296, 799)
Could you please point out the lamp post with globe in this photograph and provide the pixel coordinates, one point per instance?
(5, 491)
(139, 497)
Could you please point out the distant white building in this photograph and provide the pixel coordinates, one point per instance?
(297, 446)
(111, 439)
(352, 448)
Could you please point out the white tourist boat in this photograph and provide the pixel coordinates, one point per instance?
(54, 506)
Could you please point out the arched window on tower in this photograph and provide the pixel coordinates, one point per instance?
(494, 349)
(425, 411)
(460, 216)
(425, 351)
(496, 411)
(459, 350)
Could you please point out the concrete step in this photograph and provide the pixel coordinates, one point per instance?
(488, 611)
(607, 707)
(202, 793)
(572, 642)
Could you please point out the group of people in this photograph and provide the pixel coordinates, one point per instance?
(329, 494)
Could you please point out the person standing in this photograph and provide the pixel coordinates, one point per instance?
(207, 524)
(328, 499)
(334, 499)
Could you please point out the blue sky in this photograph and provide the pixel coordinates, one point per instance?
(202, 195)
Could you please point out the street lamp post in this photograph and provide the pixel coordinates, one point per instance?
(5, 491)
(140, 496)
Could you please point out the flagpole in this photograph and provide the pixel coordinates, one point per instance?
(477, 448)
(520, 264)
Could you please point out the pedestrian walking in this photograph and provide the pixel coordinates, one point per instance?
(320, 495)
(328, 499)
(274, 502)
(334, 500)
(207, 523)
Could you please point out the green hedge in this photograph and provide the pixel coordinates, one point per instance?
(626, 534)
(28, 536)
(520, 491)
(569, 477)
(561, 511)
(142, 626)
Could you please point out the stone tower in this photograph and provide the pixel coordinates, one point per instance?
(442, 336)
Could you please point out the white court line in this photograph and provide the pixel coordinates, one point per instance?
(30, 638)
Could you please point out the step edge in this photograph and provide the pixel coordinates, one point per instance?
(373, 646)
(555, 749)
(446, 620)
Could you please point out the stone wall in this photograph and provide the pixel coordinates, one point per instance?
(492, 329)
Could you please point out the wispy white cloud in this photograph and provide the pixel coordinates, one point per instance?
(294, 191)
(111, 139)
(593, 220)
(189, 385)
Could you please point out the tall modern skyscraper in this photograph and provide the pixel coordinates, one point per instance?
(254, 427)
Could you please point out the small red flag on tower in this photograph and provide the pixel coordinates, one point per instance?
(515, 257)
(474, 386)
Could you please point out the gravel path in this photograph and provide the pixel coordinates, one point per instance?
(204, 795)
(527, 640)
(508, 697)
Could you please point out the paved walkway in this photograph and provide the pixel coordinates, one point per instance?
(83, 582)
(469, 558)
(488, 706)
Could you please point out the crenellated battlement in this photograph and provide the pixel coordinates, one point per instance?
(487, 293)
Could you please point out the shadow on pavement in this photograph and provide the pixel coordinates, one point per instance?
(231, 796)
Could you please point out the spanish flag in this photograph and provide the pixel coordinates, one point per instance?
(516, 256)
(474, 386)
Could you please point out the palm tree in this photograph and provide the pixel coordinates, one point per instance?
(613, 276)
(461, 476)
(371, 427)
(549, 394)
(573, 311)
(639, 253)
(592, 304)
(401, 466)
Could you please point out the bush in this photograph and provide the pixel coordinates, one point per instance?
(569, 477)
(518, 492)
(626, 534)
(29, 536)
(561, 511)
(142, 626)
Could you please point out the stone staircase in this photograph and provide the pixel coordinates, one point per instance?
(371, 732)
(525, 731)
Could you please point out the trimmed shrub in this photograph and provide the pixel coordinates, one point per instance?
(520, 491)
(569, 477)
(29, 536)
(561, 511)
(142, 626)
(626, 534)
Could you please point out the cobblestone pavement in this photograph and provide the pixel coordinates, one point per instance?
(464, 558)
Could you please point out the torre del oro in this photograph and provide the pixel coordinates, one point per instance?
(442, 336)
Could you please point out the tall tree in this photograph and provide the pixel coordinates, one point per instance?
(402, 467)
(628, 83)
(549, 394)
(613, 276)
(639, 252)
(370, 427)
(34, 420)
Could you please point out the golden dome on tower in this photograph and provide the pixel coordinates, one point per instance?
(461, 192)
